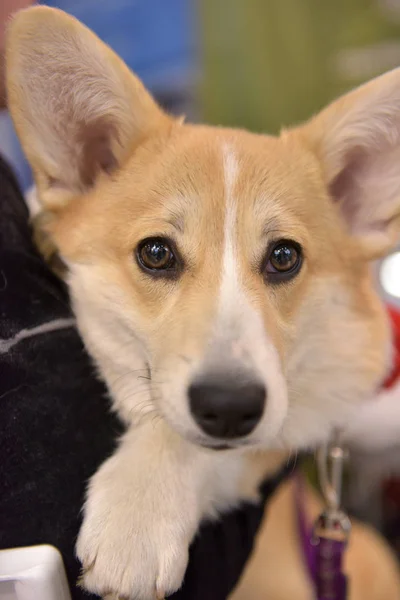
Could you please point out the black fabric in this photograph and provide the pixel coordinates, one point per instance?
(56, 426)
(221, 550)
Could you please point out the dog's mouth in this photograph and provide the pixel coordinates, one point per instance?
(218, 446)
(223, 446)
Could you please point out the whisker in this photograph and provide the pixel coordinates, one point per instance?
(142, 373)
(185, 358)
(150, 400)
(128, 373)
(155, 419)
(133, 395)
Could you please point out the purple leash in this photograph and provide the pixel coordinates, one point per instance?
(324, 545)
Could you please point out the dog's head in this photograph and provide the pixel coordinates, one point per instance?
(221, 279)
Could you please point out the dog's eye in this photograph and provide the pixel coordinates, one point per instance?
(283, 261)
(155, 254)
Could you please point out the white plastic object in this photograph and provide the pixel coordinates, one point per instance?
(33, 573)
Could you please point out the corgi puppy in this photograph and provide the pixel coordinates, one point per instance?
(221, 281)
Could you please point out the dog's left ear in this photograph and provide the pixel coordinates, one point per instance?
(78, 110)
(357, 140)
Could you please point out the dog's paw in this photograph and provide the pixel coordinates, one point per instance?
(133, 545)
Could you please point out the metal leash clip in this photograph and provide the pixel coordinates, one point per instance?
(333, 521)
(332, 528)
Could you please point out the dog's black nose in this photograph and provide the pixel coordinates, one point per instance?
(227, 410)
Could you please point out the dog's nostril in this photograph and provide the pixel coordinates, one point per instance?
(225, 410)
(248, 417)
(210, 417)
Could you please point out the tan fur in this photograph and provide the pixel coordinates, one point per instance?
(111, 170)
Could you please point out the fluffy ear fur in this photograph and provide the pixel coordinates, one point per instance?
(77, 108)
(357, 139)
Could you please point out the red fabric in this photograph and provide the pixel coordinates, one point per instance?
(391, 487)
(394, 315)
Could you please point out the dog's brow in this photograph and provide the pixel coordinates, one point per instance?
(272, 227)
(177, 221)
(275, 228)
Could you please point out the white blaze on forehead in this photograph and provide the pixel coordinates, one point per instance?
(230, 264)
(237, 322)
(240, 339)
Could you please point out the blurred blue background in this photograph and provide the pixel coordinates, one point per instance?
(158, 39)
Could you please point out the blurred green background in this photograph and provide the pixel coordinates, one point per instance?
(268, 63)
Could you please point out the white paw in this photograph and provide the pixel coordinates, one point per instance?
(133, 543)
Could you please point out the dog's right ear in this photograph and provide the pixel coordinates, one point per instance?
(357, 141)
(77, 108)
